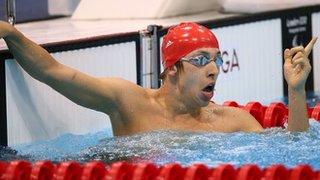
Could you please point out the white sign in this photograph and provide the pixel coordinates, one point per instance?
(37, 112)
(252, 68)
(316, 51)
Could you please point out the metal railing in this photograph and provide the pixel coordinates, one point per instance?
(11, 11)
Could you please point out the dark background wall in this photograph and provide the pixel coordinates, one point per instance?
(27, 10)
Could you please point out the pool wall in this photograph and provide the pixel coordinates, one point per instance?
(36, 112)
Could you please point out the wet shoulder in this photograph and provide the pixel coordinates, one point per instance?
(240, 119)
(231, 113)
(125, 89)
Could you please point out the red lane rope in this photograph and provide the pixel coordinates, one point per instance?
(274, 115)
(95, 170)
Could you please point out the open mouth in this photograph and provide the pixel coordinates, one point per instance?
(208, 88)
(207, 92)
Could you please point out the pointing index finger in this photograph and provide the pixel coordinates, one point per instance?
(309, 47)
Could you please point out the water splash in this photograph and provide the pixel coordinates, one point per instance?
(274, 145)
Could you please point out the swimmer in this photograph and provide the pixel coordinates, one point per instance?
(191, 59)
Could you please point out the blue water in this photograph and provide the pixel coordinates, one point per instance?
(274, 145)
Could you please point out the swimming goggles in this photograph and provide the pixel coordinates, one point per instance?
(202, 60)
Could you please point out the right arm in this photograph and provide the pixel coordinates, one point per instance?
(296, 70)
(99, 94)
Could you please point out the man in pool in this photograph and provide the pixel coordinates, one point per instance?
(191, 59)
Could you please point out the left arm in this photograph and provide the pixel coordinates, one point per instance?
(296, 70)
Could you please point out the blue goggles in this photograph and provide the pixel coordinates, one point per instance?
(202, 60)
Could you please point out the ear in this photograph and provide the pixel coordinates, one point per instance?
(172, 71)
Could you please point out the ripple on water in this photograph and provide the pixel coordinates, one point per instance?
(274, 145)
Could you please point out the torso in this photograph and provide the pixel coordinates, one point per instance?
(146, 114)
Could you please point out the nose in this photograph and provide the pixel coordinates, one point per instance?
(211, 75)
(212, 70)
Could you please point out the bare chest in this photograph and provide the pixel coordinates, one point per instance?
(150, 118)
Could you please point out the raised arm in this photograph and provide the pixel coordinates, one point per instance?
(85, 90)
(296, 70)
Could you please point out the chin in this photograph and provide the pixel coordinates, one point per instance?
(205, 103)
(202, 103)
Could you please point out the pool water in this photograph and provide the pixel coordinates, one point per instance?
(274, 145)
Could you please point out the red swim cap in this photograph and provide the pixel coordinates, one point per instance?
(183, 39)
